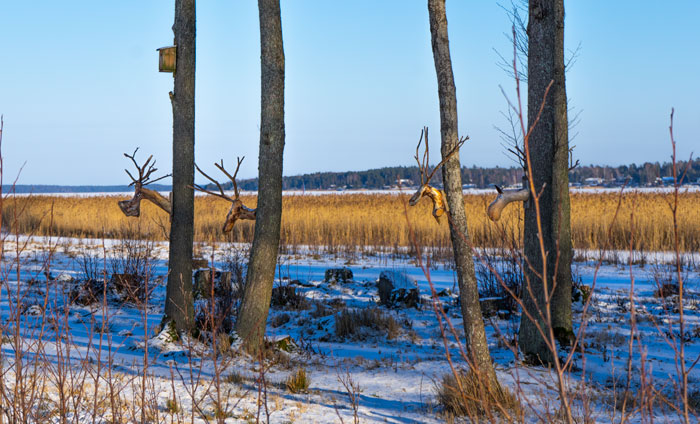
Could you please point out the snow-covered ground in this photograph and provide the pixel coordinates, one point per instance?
(118, 359)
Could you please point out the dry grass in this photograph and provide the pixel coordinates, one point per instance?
(368, 220)
(298, 382)
(361, 323)
(469, 397)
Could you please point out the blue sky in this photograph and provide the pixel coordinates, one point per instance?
(79, 83)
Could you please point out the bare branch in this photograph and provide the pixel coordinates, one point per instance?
(572, 164)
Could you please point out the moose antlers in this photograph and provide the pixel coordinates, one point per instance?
(238, 209)
(144, 174)
(132, 207)
(435, 195)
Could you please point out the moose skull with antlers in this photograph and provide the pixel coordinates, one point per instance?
(238, 209)
(132, 207)
(435, 195)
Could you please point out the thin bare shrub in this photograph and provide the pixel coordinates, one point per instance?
(235, 262)
(353, 390)
(506, 283)
(286, 296)
(131, 263)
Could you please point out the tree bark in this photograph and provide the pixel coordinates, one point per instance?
(477, 346)
(549, 152)
(179, 303)
(255, 305)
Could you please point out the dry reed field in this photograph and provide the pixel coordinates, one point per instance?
(369, 221)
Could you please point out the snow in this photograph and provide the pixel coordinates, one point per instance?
(396, 377)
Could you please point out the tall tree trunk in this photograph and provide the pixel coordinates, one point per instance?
(477, 345)
(549, 151)
(178, 303)
(255, 305)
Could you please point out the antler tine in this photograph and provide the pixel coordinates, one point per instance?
(133, 180)
(421, 165)
(145, 170)
(143, 179)
(232, 178)
(146, 173)
(145, 164)
(160, 178)
(132, 157)
(426, 154)
(240, 161)
(454, 150)
(417, 157)
(202, 189)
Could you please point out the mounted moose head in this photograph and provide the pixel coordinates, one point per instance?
(435, 195)
(132, 207)
(238, 209)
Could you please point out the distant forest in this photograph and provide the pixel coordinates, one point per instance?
(638, 175)
(60, 189)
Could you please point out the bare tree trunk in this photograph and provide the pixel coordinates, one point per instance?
(477, 345)
(549, 152)
(178, 303)
(255, 305)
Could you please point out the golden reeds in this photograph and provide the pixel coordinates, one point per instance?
(367, 220)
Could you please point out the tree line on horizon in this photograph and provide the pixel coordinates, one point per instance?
(639, 175)
(482, 177)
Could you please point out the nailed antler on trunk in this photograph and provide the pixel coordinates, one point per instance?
(435, 195)
(504, 198)
(132, 207)
(238, 209)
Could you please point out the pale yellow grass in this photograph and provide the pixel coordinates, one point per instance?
(367, 220)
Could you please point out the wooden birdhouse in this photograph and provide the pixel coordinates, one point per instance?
(167, 57)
